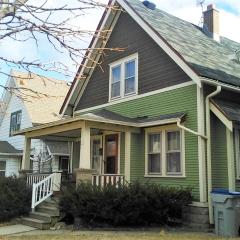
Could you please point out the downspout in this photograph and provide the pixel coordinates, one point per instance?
(190, 131)
(209, 152)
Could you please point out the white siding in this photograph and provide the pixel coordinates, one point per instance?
(14, 105)
(12, 166)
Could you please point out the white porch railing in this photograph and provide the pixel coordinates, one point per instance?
(35, 177)
(44, 188)
(106, 179)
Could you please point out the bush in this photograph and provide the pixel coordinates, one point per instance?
(15, 198)
(129, 205)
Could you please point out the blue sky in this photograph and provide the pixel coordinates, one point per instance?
(186, 9)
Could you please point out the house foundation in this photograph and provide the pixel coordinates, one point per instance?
(196, 217)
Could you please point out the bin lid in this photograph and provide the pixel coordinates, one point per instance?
(225, 192)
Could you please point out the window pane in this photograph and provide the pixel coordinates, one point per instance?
(154, 163)
(130, 85)
(130, 69)
(115, 90)
(130, 77)
(173, 140)
(173, 162)
(116, 74)
(154, 143)
(19, 116)
(2, 165)
(2, 173)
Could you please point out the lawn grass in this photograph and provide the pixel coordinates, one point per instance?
(117, 236)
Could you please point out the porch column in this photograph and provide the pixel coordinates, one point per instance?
(26, 154)
(85, 161)
(230, 157)
(127, 155)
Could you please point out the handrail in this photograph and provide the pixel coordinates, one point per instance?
(107, 179)
(42, 190)
(35, 177)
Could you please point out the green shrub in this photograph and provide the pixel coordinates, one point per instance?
(128, 205)
(15, 198)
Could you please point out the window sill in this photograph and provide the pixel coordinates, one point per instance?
(116, 99)
(164, 176)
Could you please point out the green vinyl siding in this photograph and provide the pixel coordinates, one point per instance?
(178, 100)
(219, 154)
(122, 153)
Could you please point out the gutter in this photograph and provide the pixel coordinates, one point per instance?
(217, 83)
(209, 152)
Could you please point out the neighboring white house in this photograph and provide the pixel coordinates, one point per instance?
(35, 101)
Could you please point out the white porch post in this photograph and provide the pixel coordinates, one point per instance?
(85, 161)
(127, 155)
(26, 154)
(230, 157)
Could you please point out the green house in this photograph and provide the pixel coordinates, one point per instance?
(156, 99)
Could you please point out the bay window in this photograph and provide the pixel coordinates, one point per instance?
(123, 80)
(164, 148)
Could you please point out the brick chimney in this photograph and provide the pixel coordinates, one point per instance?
(211, 21)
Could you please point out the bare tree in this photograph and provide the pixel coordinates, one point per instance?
(28, 21)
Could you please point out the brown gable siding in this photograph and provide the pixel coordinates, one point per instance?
(156, 69)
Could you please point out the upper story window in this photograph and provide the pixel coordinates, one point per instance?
(15, 122)
(164, 152)
(123, 77)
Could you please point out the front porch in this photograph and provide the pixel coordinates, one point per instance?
(100, 151)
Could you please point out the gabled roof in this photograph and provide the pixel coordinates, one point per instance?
(41, 96)
(7, 149)
(192, 49)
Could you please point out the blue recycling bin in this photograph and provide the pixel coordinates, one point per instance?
(226, 205)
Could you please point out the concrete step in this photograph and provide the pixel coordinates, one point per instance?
(49, 203)
(51, 210)
(40, 216)
(36, 223)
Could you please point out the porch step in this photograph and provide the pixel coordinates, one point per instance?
(52, 210)
(36, 223)
(45, 215)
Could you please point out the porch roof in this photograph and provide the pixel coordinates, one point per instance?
(102, 119)
(230, 109)
(7, 149)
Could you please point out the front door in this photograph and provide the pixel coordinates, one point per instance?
(111, 154)
(64, 164)
(96, 153)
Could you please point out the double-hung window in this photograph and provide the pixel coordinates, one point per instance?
(2, 168)
(123, 77)
(15, 122)
(173, 152)
(154, 153)
(164, 150)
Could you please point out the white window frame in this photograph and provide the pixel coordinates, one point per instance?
(121, 63)
(236, 150)
(163, 130)
(2, 160)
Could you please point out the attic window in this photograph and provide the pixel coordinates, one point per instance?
(123, 80)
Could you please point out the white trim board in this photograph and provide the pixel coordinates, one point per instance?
(228, 123)
(130, 98)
